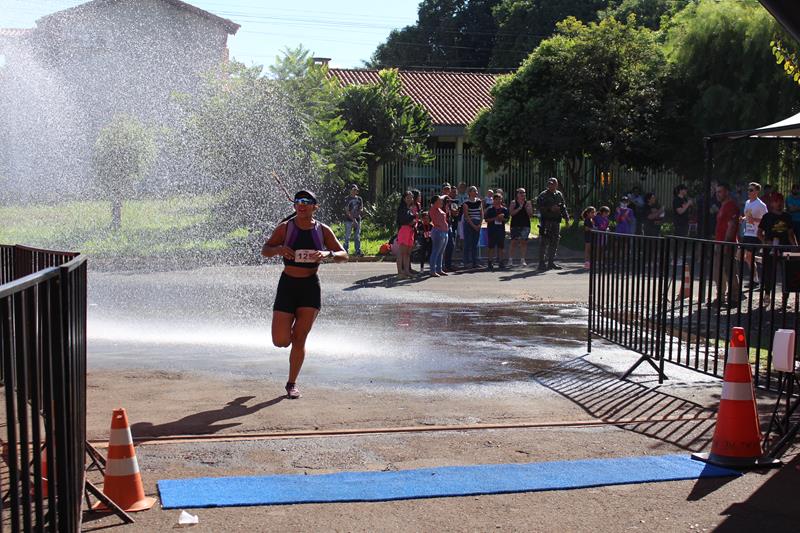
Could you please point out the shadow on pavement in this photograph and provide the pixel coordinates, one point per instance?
(705, 486)
(603, 395)
(773, 507)
(385, 280)
(205, 422)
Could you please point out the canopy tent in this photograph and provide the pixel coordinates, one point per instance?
(788, 128)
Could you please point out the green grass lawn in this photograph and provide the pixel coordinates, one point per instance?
(371, 237)
(149, 227)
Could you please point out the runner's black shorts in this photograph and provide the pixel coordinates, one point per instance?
(297, 292)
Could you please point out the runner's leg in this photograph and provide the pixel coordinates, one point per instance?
(304, 320)
(282, 328)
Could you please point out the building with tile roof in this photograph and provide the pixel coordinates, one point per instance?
(453, 99)
(88, 63)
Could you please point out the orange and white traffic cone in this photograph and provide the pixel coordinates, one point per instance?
(737, 434)
(122, 482)
(686, 287)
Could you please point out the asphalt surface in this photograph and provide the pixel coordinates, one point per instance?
(187, 352)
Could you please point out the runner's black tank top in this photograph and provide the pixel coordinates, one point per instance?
(303, 241)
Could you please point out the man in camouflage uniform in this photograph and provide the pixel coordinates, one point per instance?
(552, 209)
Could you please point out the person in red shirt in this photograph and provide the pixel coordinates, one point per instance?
(724, 255)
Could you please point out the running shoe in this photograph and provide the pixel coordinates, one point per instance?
(292, 392)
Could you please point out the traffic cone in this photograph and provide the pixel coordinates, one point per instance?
(686, 287)
(737, 434)
(122, 482)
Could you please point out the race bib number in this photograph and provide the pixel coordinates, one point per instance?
(304, 256)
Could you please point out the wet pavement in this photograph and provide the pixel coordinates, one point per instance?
(219, 322)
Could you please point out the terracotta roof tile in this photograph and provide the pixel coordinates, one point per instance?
(452, 98)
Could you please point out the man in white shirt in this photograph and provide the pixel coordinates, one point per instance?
(754, 211)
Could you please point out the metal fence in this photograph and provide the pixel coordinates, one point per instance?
(43, 375)
(599, 186)
(674, 299)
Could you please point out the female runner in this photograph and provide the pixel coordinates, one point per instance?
(303, 243)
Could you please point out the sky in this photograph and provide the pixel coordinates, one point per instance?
(347, 31)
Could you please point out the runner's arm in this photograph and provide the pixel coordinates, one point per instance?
(337, 252)
(274, 245)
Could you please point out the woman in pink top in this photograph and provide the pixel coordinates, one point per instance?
(406, 222)
(439, 235)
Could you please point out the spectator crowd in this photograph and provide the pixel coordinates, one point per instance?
(430, 230)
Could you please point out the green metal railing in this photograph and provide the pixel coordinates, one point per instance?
(531, 174)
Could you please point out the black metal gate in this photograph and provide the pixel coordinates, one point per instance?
(43, 374)
(674, 299)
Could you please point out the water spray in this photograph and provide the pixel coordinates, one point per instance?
(286, 192)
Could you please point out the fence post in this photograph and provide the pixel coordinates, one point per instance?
(663, 288)
(592, 271)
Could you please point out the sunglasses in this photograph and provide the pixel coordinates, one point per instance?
(751, 190)
(304, 201)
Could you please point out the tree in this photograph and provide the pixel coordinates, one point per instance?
(242, 128)
(447, 34)
(722, 77)
(337, 152)
(591, 90)
(124, 153)
(650, 13)
(395, 125)
(523, 24)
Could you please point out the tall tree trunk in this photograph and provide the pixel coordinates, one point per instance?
(372, 177)
(116, 214)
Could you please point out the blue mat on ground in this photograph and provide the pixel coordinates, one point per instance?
(430, 482)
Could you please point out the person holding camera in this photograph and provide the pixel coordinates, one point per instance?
(496, 217)
(450, 208)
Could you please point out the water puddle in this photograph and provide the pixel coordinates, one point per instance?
(226, 331)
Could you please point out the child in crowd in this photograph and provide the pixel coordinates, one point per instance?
(625, 217)
(601, 223)
(487, 202)
(588, 225)
(496, 230)
(601, 220)
(424, 239)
